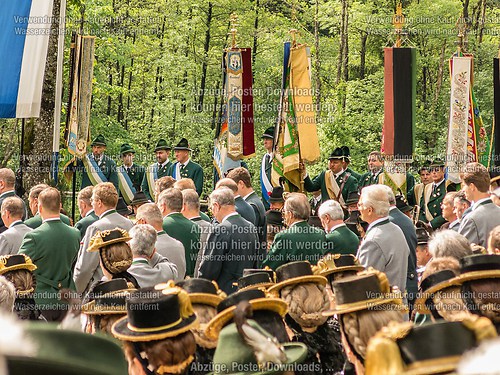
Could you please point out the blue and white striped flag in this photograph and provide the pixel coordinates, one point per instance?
(24, 36)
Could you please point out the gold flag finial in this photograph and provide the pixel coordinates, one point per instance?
(294, 33)
(398, 20)
(234, 31)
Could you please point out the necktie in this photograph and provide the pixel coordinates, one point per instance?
(268, 158)
(182, 168)
(128, 170)
(434, 189)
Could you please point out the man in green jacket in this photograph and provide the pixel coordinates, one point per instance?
(184, 167)
(35, 221)
(300, 241)
(97, 167)
(52, 247)
(177, 226)
(130, 174)
(334, 183)
(157, 170)
(341, 240)
(87, 213)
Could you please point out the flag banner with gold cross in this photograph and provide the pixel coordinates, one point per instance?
(296, 137)
(467, 137)
(78, 133)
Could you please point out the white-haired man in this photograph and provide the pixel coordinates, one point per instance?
(7, 184)
(384, 246)
(340, 239)
(168, 247)
(12, 211)
(142, 245)
(232, 246)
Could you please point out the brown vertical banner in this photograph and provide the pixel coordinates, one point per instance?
(388, 129)
(247, 102)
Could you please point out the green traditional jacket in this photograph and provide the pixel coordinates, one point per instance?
(318, 183)
(299, 242)
(162, 172)
(52, 247)
(192, 170)
(35, 221)
(187, 232)
(342, 241)
(86, 222)
(107, 167)
(431, 201)
(368, 179)
(354, 174)
(136, 174)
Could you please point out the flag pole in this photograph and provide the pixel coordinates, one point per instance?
(58, 93)
(293, 33)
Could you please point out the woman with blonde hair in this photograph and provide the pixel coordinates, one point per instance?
(18, 269)
(115, 254)
(156, 332)
(365, 303)
(307, 299)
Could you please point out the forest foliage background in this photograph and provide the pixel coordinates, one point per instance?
(157, 71)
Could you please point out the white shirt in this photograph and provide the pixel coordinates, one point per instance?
(104, 213)
(14, 223)
(51, 219)
(89, 213)
(5, 192)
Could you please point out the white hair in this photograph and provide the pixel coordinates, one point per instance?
(223, 196)
(448, 243)
(376, 197)
(481, 360)
(331, 208)
(390, 195)
(7, 295)
(143, 239)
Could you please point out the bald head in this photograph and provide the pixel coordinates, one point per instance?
(229, 183)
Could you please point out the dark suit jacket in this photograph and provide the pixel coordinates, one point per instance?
(406, 225)
(245, 210)
(230, 249)
(299, 242)
(52, 247)
(260, 214)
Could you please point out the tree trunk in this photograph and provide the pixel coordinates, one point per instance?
(206, 47)
(110, 82)
(362, 55)
(121, 74)
(317, 61)
(341, 43)
(345, 61)
(157, 76)
(38, 132)
(439, 80)
(129, 86)
(185, 76)
(481, 20)
(255, 31)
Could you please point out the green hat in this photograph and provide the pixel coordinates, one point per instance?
(162, 145)
(125, 149)
(66, 352)
(269, 133)
(437, 163)
(99, 141)
(183, 145)
(336, 154)
(346, 152)
(234, 355)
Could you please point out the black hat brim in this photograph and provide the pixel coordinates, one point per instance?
(122, 331)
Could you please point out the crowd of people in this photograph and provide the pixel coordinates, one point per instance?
(373, 273)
